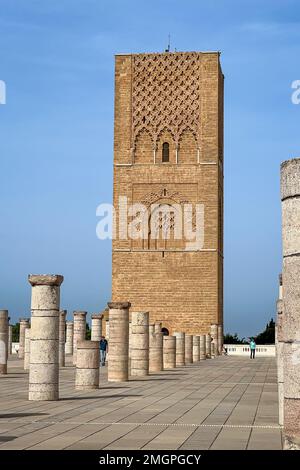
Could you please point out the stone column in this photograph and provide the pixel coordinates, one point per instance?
(24, 323)
(140, 344)
(214, 337)
(196, 348)
(213, 352)
(10, 331)
(69, 337)
(87, 365)
(202, 347)
(188, 349)
(290, 196)
(7, 345)
(208, 346)
(169, 352)
(129, 347)
(279, 352)
(107, 329)
(79, 331)
(27, 349)
(220, 339)
(180, 348)
(155, 348)
(118, 341)
(62, 337)
(96, 327)
(3, 341)
(44, 338)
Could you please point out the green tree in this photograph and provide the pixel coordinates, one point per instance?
(15, 333)
(233, 339)
(268, 335)
(88, 332)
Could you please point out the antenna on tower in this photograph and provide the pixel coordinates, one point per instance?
(169, 43)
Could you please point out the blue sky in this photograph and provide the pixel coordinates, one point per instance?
(56, 137)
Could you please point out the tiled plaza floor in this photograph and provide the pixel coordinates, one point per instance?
(223, 403)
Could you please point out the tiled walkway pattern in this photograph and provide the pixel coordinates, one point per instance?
(225, 403)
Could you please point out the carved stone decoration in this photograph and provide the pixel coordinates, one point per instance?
(162, 194)
(175, 106)
(163, 197)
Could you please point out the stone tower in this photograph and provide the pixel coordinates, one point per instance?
(168, 152)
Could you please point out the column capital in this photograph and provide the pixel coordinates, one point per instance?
(96, 316)
(80, 314)
(290, 178)
(119, 305)
(45, 279)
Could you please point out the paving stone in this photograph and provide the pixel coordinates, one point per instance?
(190, 407)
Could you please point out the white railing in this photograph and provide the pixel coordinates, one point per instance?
(262, 350)
(15, 348)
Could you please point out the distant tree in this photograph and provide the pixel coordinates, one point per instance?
(268, 335)
(88, 332)
(15, 333)
(233, 339)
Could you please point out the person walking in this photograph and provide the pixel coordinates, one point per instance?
(252, 348)
(103, 350)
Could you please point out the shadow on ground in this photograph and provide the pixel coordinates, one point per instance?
(7, 438)
(99, 398)
(21, 415)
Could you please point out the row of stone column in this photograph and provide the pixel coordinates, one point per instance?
(147, 349)
(67, 341)
(137, 348)
(288, 307)
(5, 340)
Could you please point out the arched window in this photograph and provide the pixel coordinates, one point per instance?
(165, 152)
(165, 331)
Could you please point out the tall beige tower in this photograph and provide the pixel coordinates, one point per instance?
(168, 153)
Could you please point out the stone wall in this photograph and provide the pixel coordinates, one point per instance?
(175, 98)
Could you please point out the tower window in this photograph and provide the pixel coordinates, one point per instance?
(165, 152)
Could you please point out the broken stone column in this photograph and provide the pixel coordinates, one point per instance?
(169, 352)
(24, 323)
(220, 339)
(196, 348)
(279, 352)
(7, 345)
(87, 365)
(118, 341)
(140, 343)
(290, 197)
(213, 352)
(62, 337)
(69, 338)
(208, 346)
(3, 341)
(129, 347)
(10, 331)
(214, 337)
(202, 347)
(44, 338)
(188, 349)
(96, 326)
(27, 349)
(155, 348)
(79, 331)
(180, 348)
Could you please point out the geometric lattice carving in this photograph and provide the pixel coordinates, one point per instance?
(166, 94)
(163, 193)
